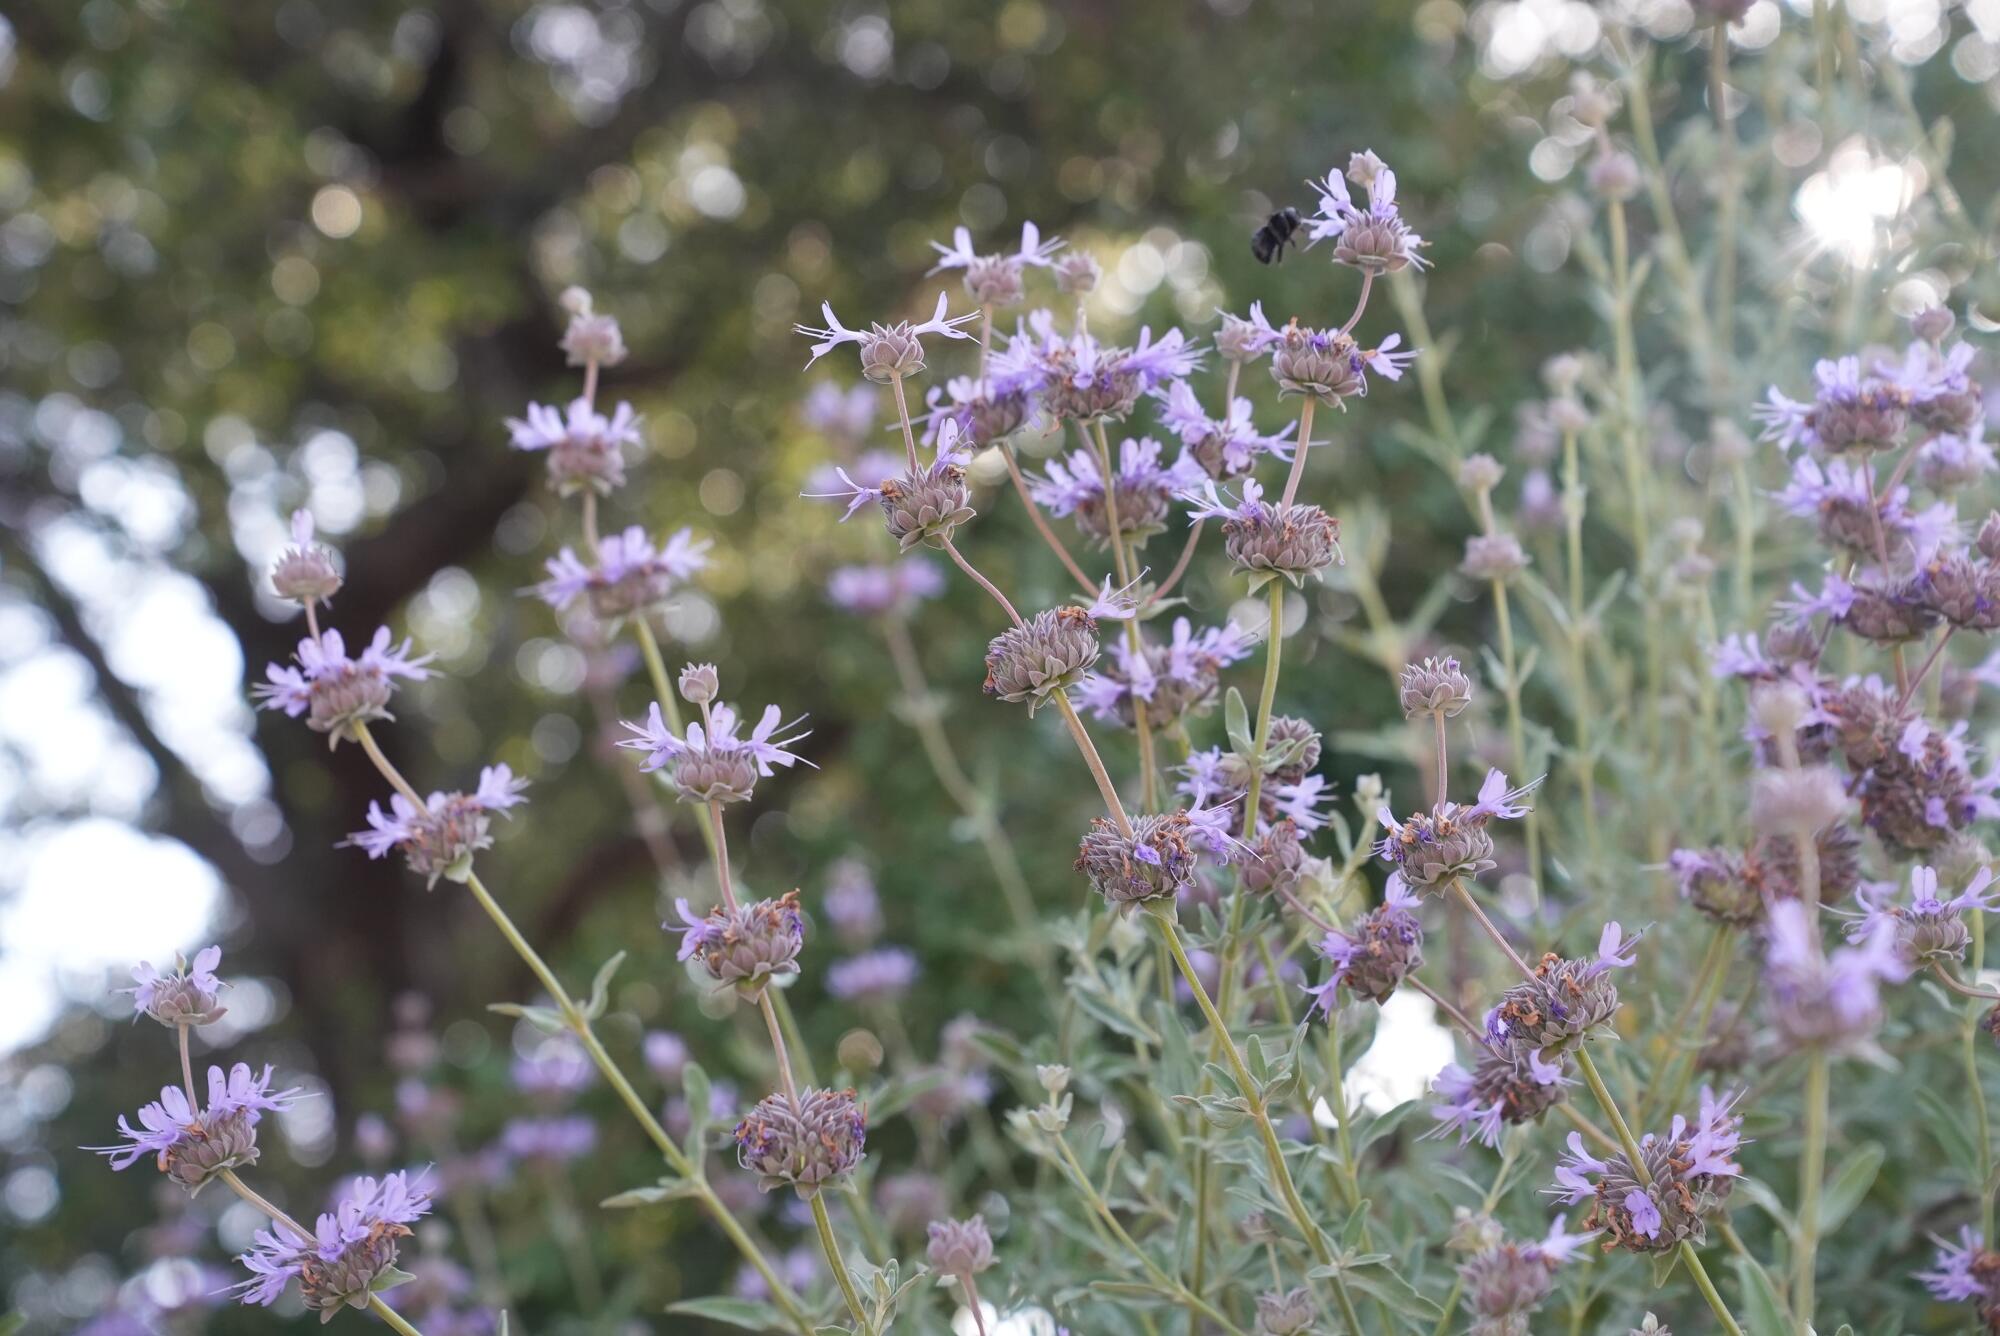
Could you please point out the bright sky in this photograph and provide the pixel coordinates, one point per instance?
(85, 893)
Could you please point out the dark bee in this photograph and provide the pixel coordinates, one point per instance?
(1268, 242)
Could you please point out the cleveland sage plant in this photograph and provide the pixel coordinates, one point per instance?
(1685, 849)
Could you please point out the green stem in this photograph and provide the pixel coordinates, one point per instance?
(831, 1244)
(1588, 1066)
(1274, 1153)
(1977, 1089)
(1517, 737)
(247, 1193)
(1274, 650)
(1575, 503)
(1812, 1171)
(1336, 1089)
(1096, 1201)
(922, 716)
(396, 1321)
(1149, 796)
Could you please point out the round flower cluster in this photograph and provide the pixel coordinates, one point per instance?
(629, 574)
(1432, 849)
(745, 946)
(1372, 959)
(305, 571)
(192, 1144)
(806, 1144)
(710, 763)
(440, 838)
(1507, 1282)
(1048, 653)
(1664, 1200)
(1172, 680)
(1565, 1001)
(333, 692)
(586, 450)
(352, 1247)
(1506, 1086)
(185, 995)
(1141, 493)
(1295, 541)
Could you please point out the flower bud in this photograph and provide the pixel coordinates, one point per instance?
(1321, 363)
(1155, 862)
(926, 506)
(305, 571)
(1277, 860)
(1569, 415)
(1493, 556)
(995, 280)
(1934, 323)
(809, 1144)
(1293, 541)
(184, 995)
(1077, 272)
(891, 354)
(1614, 175)
(1294, 750)
(745, 947)
(1989, 536)
(1290, 1313)
(1053, 1076)
(700, 683)
(959, 1247)
(1049, 652)
(1563, 373)
(1592, 101)
(1480, 473)
(1435, 686)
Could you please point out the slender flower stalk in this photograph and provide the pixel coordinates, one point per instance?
(921, 712)
(1122, 563)
(580, 1025)
(1041, 521)
(1812, 1176)
(1274, 1155)
(1510, 691)
(831, 1244)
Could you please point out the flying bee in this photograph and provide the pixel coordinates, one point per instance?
(1268, 242)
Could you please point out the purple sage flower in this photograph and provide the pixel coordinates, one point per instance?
(191, 1145)
(1821, 999)
(872, 977)
(1227, 447)
(996, 280)
(305, 571)
(850, 903)
(710, 762)
(1849, 410)
(1173, 680)
(629, 575)
(1505, 1087)
(807, 1144)
(440, 838)
(351, 1247)
(334, 692)
(1691, 1171)
(888, 352)
(585, 448)
(548, 1141)
(185, 995)
(886, 589)
(1929, 929)
(1373, 238)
